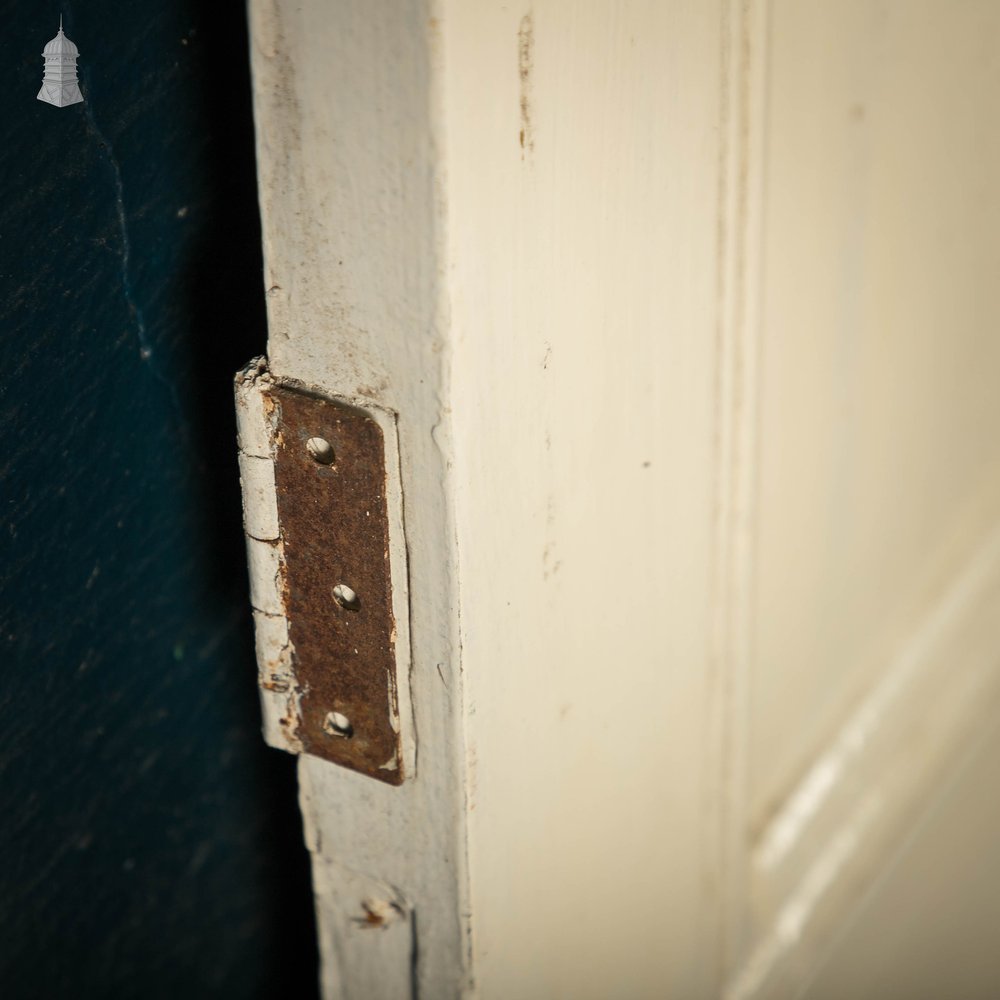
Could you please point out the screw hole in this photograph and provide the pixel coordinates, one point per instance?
(338, 724)
(346, 597)
(321, 450)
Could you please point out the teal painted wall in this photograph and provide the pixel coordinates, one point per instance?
(150, 844)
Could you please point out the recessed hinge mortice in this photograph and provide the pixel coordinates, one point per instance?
(327, 581)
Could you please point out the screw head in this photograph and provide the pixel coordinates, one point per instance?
(346, 597)
(338, 724)
(321, 450)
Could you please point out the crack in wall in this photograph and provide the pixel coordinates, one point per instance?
(134, 308)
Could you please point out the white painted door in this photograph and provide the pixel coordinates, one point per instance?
(687, 314)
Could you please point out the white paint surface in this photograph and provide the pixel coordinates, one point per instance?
(927, 925)
(582, 277)
(349, 188)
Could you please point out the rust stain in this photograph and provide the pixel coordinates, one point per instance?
(379, 913)
(333, 523)
(276, 684)
(525, 64)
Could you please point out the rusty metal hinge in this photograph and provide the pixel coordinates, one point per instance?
(326, 577)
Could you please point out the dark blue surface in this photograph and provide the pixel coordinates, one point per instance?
(150, 844)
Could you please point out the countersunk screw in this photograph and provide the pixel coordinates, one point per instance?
(321, 450)
(346, 597)
(337, 724)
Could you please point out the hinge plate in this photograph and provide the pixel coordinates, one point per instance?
(326, 547)
(329, 473)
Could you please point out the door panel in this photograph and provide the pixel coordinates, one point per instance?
(879, 406)
(687, 315)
